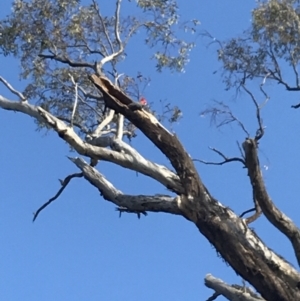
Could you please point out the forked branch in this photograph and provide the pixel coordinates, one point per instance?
(116, 53)
(158, 172)
(226, 159)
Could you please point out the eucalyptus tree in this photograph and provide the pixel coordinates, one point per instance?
(70, 56)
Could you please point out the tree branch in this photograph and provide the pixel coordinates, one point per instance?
(75, 100)
(107, 120)
(64, 184)
(115, 54)
(226, 159)
(158, 172)
(66, 60)
(139, 203)
(272, 213)
(225, 116)
(12, 90)
(120, 127)
(260, 131)
(231, 292)
(96, 7)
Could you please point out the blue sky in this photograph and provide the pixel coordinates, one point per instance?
(78, 248)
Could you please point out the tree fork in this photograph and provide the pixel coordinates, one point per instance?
(274, 278)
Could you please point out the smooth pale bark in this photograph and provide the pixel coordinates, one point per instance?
(231, 292)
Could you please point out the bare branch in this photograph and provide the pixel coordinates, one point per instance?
(64, 184)
(219, 163)
(226, 159)
(277, 74)
(158, 172)
(276, 217)
(117, 24)
(66, 60)
(96, 7)
(296, 106)
(137, 204)
(75, 100)
(115, 54)
(260, 131)
(240, 149)
(267, 97)
(247, 211)
(12, 90)
(120, 126)
(213, 297)
(107, 120)
(231, 292)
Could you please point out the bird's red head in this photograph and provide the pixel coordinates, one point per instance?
(143, 101)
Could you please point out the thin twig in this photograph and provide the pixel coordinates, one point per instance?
(64, 184)
(12, 90)
(227, 116)
(260, 131)
(226, 159)
(240, 149)
(247, 211)
(296, 106)
(214, 296)
(263, 91)
(219, 163)
(104, 28)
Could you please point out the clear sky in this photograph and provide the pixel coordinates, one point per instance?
(78, 248)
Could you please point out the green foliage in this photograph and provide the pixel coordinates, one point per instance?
(273, 39)
(60, 42)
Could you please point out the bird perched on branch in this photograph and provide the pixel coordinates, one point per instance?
(135, 106)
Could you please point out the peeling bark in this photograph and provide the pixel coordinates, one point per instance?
(272, 276)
